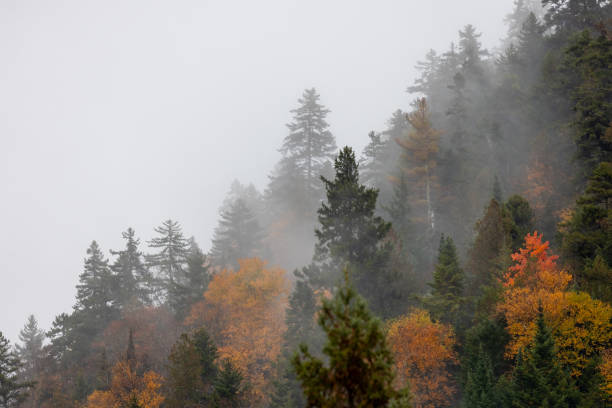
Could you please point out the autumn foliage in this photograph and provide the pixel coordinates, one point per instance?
(128, 388)
(581, 325)
(424, 352)
(244, 310)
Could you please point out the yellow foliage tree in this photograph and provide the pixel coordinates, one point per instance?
(128, 387)
(244, 310)
(581, 325)
(423, 353)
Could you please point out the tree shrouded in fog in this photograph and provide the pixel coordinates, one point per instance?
(13, 391)
(238, 236)
(309, 143)
(130, 274)
(30, 351)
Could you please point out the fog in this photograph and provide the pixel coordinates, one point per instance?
(122, 114)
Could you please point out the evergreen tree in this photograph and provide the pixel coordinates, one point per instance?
(564, 17)
(173, 249)
(12, 391)
(446, 300)
(587, 234)
(237, 236)
(350, 233)
(130, 275)
(194, 282)
(399, 209)
(538, 379)
(192, 370)
(228, 385)
(480, 391)
(309, 143)
(359, 370)
(30, 351)
(589, 59)
(521, 219)
(471, 52)
(485, 261)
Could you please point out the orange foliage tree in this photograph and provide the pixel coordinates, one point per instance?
(244, 311)
(127, 387)
(424, 352)
(581, 325)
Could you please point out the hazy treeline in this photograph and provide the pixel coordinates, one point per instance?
(462, 259)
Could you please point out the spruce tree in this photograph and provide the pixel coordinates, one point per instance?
(538, 379)
(480, 390)
(350, 233)
(446, 300)
(13, 391)
(228, 385)
(237, 236)
(130, 275)
(309, 143)
(587, 235)
(359, 367)
(30, 351)
(521, 219)
(169, 261)
(194, 282)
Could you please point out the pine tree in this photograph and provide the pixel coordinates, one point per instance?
(170, 261)
(471, 52)
(30, 351)
(191, 287)
(228, 385)
(130, 275)
(485, 263)
(309, 143)
(564, 17)
(521, 218)
(480, 391)
(446, 300)
(359, 370)
(587, 234)
(350, 232)
(538, 380)
(12, 391)
(238, 236)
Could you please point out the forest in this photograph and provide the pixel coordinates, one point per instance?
(462, 259)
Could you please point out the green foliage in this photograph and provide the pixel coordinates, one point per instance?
(521, 218)
(538, 379)
(193, 283)
(446, 300)
(587, 238)
(228, 385)
(238, 236)
(30, 351)
(130, 277)
(359, 372)
(13, 391)
(480, 388)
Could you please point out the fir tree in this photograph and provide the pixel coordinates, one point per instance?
(228, 385)
(538, 379)
(359, 370)
(194, 282)
(350, 232)
(237, 236)
(446, 299)
(12, 391)
(587, 234)
(480, 391)
(310, 143)
(173, 249)
(30, 351)
(521, 218)
(130, 275)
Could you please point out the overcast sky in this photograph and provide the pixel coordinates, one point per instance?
(123, 113)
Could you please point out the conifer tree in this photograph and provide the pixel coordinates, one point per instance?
(521, 218)
(358, 372)
(173, 249)
(350, 233)
(130, 275)
(587, 234)
(238, 236)
(12, 391)
(228, 385)
(538, 379)
(192, 285)
(309, 143)
(30, 351)
(480, 390)
(446, 299)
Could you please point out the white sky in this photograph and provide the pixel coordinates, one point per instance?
(123, 113)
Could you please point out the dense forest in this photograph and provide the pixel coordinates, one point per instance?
(463, 259)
